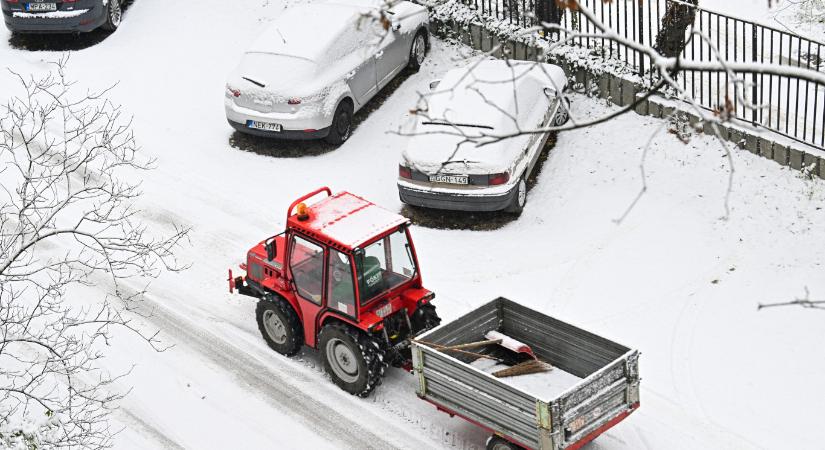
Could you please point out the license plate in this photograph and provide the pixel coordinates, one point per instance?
(41, 7)
(451, 179)
(266, 126)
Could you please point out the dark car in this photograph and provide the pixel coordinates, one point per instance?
(61, 16)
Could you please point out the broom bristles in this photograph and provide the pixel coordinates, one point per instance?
(525, 368)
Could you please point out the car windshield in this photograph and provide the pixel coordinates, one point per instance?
(385, 264)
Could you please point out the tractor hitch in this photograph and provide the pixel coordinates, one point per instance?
(237, 283)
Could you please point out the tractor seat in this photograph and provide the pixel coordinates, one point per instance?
(373, 278)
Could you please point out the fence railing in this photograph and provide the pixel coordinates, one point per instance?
(787, 105)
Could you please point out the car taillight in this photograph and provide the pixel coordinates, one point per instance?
(404, 172)
(234, 92)
(13, 1)
(499, 178)
(294, 101)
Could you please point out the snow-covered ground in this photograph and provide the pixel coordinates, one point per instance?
(673, 280)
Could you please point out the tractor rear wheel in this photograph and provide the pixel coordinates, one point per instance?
(425, 318)
(354, 361)
(279, 325)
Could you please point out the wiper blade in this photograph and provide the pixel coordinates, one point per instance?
(256, 83)
(451, 124)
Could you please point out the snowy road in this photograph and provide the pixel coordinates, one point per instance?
(673, 280)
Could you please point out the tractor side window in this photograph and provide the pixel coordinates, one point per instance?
(340, 291)
(401, 262)
(307, 267)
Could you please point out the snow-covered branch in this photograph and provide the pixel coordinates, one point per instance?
(68, 220)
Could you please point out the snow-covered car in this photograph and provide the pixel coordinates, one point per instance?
(317, 64)
(61, 16)
(452, 160)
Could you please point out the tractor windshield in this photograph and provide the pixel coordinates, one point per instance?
(385, 264)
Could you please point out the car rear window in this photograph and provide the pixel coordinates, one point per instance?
(276, 68)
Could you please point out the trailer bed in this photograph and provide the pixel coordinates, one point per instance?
(594, 384)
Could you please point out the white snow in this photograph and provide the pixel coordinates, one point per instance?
(51, 14)
(351, 220)
(543, 385)
(504, 98)
(673, 280)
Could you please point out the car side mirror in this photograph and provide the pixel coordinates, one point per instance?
(549, 91)
(271, 250)
(396, 26)
(434, 84)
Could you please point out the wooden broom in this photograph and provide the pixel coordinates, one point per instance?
(530, 366)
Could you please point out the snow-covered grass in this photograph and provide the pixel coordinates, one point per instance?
(673, 280)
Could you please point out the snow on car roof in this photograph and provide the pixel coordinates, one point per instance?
(487, 97)
(467, 95)
(310, 30)
(349, 219)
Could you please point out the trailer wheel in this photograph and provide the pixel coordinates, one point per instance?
(498, 443)
(353, 361)
(425, 318)
(279, 325)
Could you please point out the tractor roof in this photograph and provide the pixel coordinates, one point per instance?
(347, 220)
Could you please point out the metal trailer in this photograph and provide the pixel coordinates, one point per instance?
(607, 393)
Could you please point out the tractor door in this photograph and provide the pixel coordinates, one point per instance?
(307, 269)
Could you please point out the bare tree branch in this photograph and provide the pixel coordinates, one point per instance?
(68, 220)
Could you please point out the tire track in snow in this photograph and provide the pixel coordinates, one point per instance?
(149, 430)
(278, 388)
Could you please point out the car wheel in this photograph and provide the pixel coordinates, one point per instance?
(353, 361)
(114, 14)
(520, 199)
(280, 326)
(563, 114)
(418, 51)
(341, 127)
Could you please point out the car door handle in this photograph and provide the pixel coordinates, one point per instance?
(350, 75)
(379, 54)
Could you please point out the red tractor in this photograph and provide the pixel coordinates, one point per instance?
(342, 278)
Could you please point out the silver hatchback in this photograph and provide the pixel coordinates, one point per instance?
(317, 64)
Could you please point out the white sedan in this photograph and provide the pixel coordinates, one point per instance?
(452, 159)
(317, 64)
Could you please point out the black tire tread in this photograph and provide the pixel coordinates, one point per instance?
(334, 137)
(108, 25)
(371, 351)
(413, 65)
(427, 318)
(295, 331)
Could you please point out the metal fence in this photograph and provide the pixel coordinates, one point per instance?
(790, 106)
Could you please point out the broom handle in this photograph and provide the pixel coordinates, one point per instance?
(471, 345)
(463, 352)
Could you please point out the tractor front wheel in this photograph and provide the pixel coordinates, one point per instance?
(279, 325)
(354, 361)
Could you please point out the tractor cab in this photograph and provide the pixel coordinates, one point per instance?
(342, 264)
